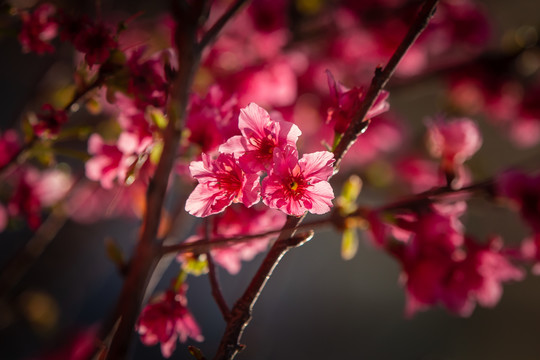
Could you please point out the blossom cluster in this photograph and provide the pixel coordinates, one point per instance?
(266, 145)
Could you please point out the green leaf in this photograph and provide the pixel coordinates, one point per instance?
(158, 118)
(195, 265)
(349, 244)
(114, 252)
(196, 352)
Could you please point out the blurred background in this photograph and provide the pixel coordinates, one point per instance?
(316, 305)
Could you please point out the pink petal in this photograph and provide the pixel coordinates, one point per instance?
(317, 166)
(200, 201)
(321, 195)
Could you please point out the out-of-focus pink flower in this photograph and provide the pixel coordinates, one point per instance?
(167, 319)
(146, 82)
(419, 173)
(38, 29)
(221, 182)
(212, 119)
(49, 122)
(9, 147)
(260, 137)
(24, 201)
(524, 191)
(296, 186)
(460, 280)
(52, 186)
(454, 141)
(108, 162)
(346, 103)
(237, 220)
(525, 129)
(79, 346)
(271, 85)
(96, 43)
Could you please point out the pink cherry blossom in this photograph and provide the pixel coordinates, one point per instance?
(9, 146)
(25, 201)
(296, 186)
(38, 29)
(108, 162)
(237, 220)
(147, 82)
(221, 182)
(49, 122)
(212, 119)
(524, 191)
(95, 42)
(346, 103)
(260, 137)
(455, 141)
(460, 280)
(167, 319)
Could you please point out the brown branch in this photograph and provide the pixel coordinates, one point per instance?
(381, 78)
(148, 247)
(212, 276)
(210, 36)
(241, 312)
(216, 288)
(204, 245)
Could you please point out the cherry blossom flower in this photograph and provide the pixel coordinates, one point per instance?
(212, 119)
(296, 186)
(25, 201)
(38, 29)
(260, 137)
(108, 162)
(237, 220)
(9, 146)
(524, 191)
(454, 141)
(167, 319)
(48, 123)
(96, 43)
(462, 279)
(221, 182)
(146, 82)
(346, 103)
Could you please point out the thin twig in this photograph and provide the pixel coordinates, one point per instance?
(18, 156)
(241, 312)
(147, 251)
(381, 78)
(203, 245)
(210, 36)
(212, 276)
(216, 288)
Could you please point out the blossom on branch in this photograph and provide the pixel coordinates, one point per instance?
(346, 103)
(296, 186)
(221, 182)
(48, 123)
(238, 220)
(261, 135)
(38, 29)
(167, 319)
